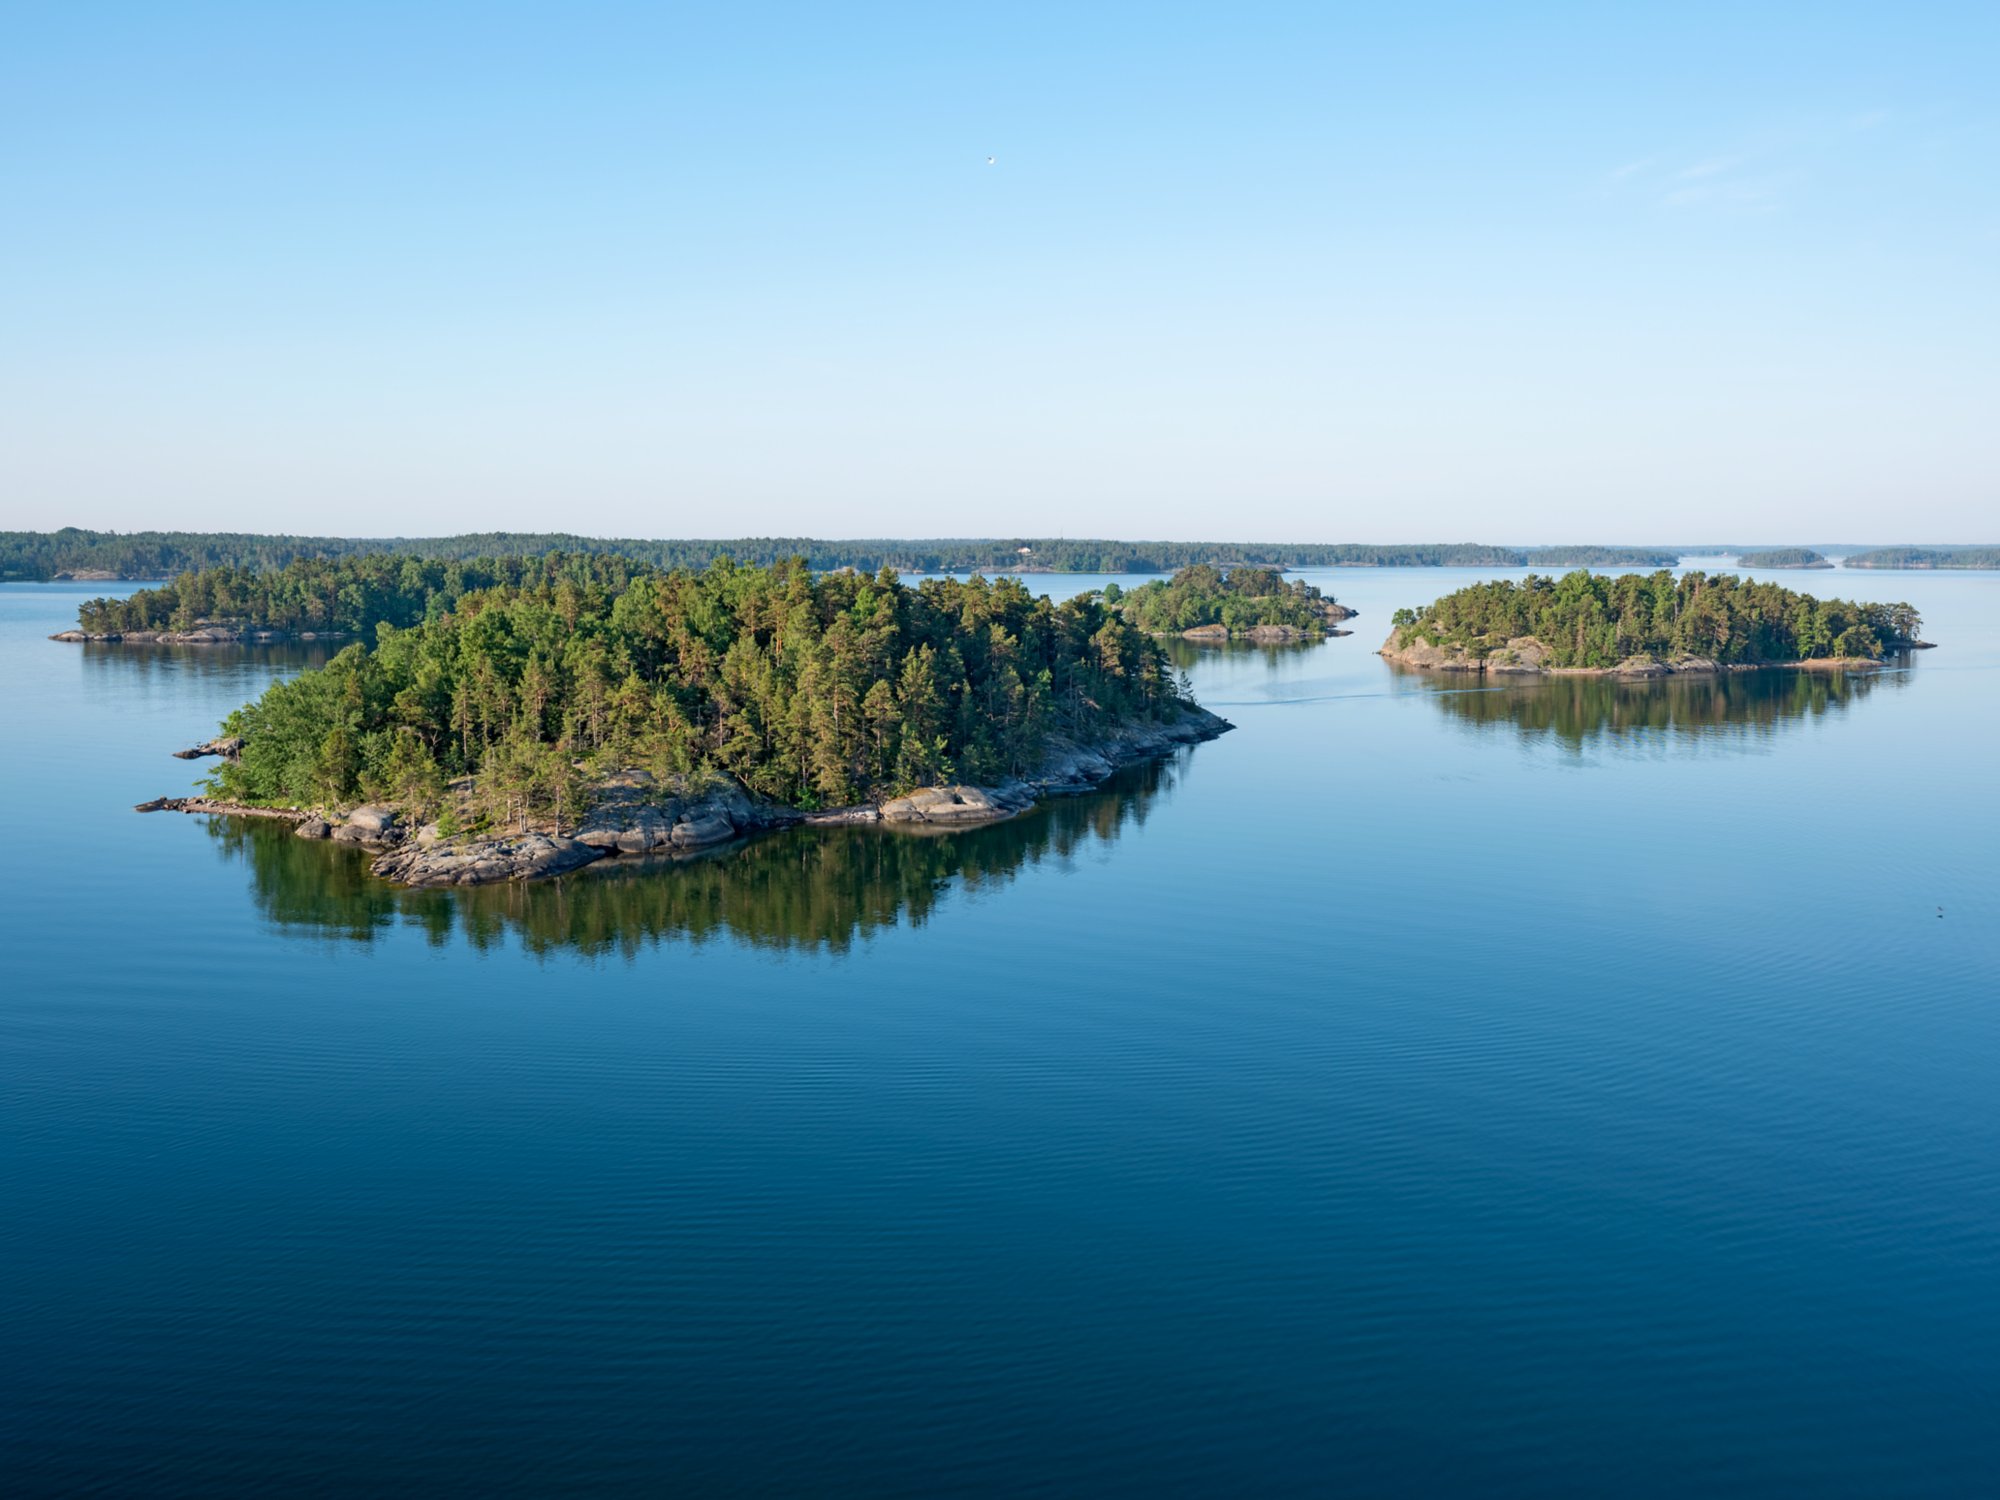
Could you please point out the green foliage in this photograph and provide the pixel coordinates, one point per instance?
(1240, 599)
(1783, 557)
(1925, 557)
(813, 690)
(1594, 620)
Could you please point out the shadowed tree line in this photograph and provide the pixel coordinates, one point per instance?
(1924, 557)
(1783, 557)
(352, 595)
(166, 554)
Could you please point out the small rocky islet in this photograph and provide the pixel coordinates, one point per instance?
(1527, 656)
(1209, 604)
(1645, 625)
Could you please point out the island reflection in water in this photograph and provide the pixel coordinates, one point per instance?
(1187, 655)
(1739, 710)
(225, 661)
(802, 888)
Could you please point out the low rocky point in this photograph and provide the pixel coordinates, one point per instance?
(633, 814)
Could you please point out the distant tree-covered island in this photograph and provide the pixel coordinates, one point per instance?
(1597, 557)
(1206, 603)
(1924, 557)
(318, 597)
(1783, 557)
(538, 715)
(146, 555)
(1643, 625)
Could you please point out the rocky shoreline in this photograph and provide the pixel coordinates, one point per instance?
(222, 808)
(1331, 615)
(1525, 656)
(1269, 635)
(229, 747)
(199, 635)
(632, 814)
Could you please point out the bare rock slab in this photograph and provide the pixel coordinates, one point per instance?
(528, 856)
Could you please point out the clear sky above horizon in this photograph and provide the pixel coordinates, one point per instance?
(1290, 272)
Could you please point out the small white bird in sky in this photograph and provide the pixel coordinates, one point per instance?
(989, 161)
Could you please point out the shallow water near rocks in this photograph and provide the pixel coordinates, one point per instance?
(1550, 1088)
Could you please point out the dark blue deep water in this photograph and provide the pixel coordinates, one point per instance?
(1570, 1089)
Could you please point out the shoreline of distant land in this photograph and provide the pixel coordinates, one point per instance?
(1422, 657)
(73, 555)
(81, 556)
(1787, 558)
(1925, 559)
(202, 633)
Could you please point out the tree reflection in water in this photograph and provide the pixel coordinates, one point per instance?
(803, 888)
(1595, 713)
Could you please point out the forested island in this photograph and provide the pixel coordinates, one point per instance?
(1643, 625)
(1925, 557)
(1783, 557)
(574, 706)
(148, 555)
(1205, 603)
(315, 597)
(1591, 557)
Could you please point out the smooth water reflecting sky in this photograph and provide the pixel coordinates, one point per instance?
(1528, 1091)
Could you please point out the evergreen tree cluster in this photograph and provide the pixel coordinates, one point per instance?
(351, 595)
(1241, 599)
(1783, 557)
(812, 689)
(1596, 620)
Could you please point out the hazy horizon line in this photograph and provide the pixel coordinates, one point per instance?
(1021, 538)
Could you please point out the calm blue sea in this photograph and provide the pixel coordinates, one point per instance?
(1567, 1089)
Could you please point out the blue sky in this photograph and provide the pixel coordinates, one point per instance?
(1294, 272)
